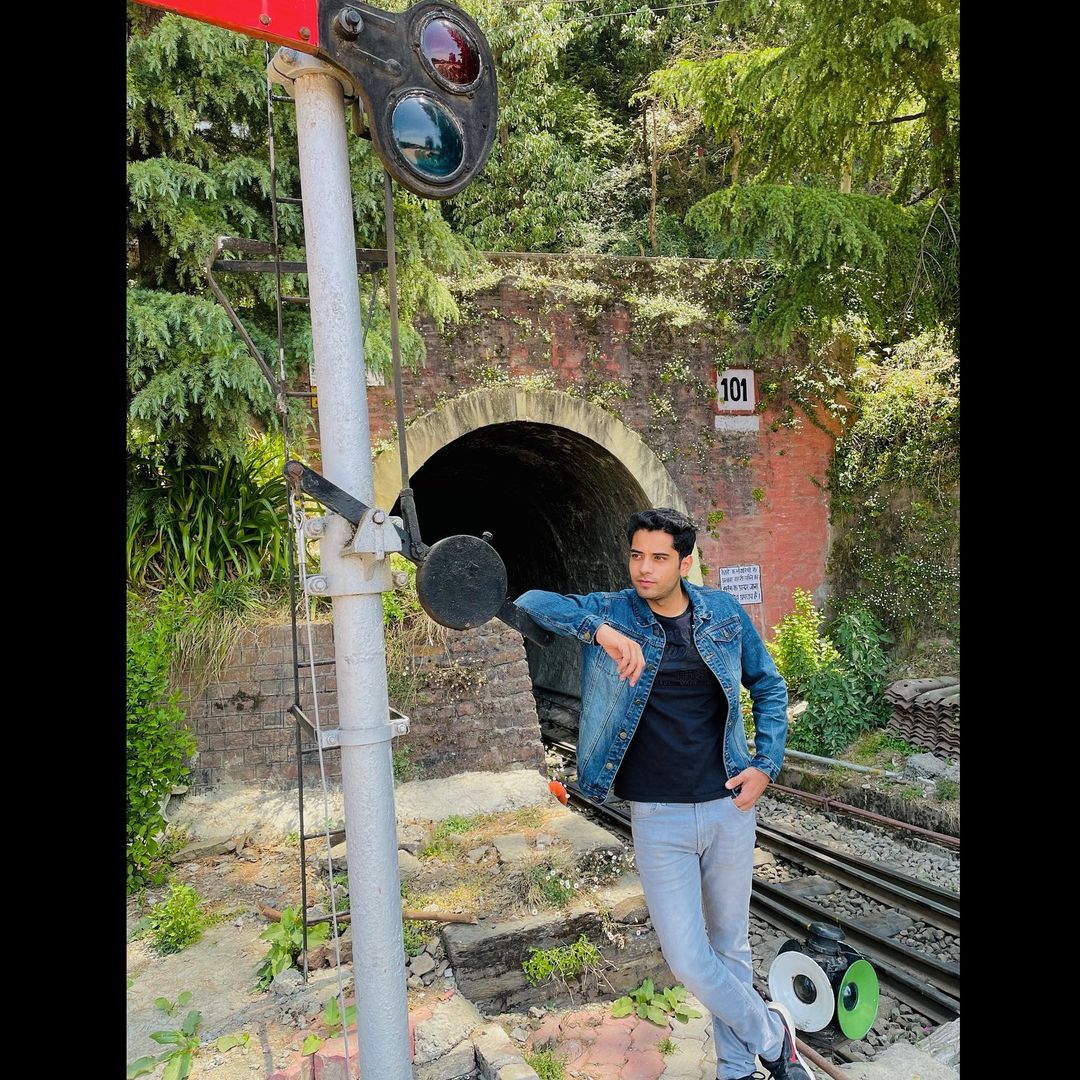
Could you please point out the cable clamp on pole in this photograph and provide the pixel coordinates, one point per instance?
(397, 725)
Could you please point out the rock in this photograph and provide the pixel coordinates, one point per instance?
(287, 982)
(519, 1034)
(809, 886)
(888, 1007)
(943, 1044)
(924, 766)
(902, 1059)
(457, 1064)
(495, 1052)
(408, 865)
(412, 838)
(414, 982)
(421, 965)
(449, 1023)
(512, 847)
(202, 849)
(763, 857)
(338, 855)
(632, 910)
(583, 835)
(477, 853)
(517, 1070)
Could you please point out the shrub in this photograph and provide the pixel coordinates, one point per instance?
(177, 921)
(797, 647)
(546, 1063)
(158, 741)
(208, 519)
(286, 939)
(842, 686)
(946, 789)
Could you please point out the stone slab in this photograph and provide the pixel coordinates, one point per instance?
(900, 1061)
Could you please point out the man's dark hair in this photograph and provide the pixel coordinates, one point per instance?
(663, 519)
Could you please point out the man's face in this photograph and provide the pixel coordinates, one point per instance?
(655, 566)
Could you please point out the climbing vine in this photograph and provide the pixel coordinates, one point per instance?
(895, 489)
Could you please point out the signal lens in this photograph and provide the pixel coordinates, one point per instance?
(451, 53)
(427, 137)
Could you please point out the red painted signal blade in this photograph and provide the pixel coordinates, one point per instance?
(294, 23)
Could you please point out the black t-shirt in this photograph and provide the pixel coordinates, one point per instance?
(677, 752)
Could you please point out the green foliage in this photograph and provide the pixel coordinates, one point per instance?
(873, 743)
(206, 627)
(404, 767)
(158, 741)
(829, 253)
(797, 647)
(286, 939)
(946, 789)
(332, 1016)
(895, 490)
(862, 639)
(177, 921)
(546, 1063)
(208, 520)
(837, 711)
(552, 144)
(183, 1042)
(561, 963)
(548, 882)
(656, 1006)
(441, 843)
(408, 629)
(842, 123)
(843, 689)
(415, 935)
(198, 168)
(340, 888)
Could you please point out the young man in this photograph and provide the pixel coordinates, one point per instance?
(660, 721)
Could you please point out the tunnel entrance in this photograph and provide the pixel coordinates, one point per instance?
(556, 503)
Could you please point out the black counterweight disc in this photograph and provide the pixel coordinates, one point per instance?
(461, 582)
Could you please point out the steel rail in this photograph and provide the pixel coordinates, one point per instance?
(928, 985)
(923, 901)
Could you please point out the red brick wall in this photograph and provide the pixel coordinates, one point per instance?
(245, 734)
(785, 530)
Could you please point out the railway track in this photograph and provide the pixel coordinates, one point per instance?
(924, 982)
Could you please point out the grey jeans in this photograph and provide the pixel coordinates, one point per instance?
(695, 861)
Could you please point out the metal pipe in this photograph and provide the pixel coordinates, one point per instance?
(858, 811)
(819, 1062)
(359, 646)
(799, 755)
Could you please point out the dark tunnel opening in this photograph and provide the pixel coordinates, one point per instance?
(556, 504)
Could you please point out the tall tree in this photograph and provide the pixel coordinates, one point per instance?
(844, 119)
(198, 167)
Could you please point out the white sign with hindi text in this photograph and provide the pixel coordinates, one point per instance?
(743, 582)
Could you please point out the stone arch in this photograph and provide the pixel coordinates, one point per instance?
(552, 476)
(504, 405)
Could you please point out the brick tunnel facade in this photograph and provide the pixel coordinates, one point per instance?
(547, 420)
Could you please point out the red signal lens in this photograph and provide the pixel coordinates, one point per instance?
(451, 52)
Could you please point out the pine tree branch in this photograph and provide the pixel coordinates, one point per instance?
(898, 119)
(922, 195)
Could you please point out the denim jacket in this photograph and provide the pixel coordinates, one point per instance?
(611, 708)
